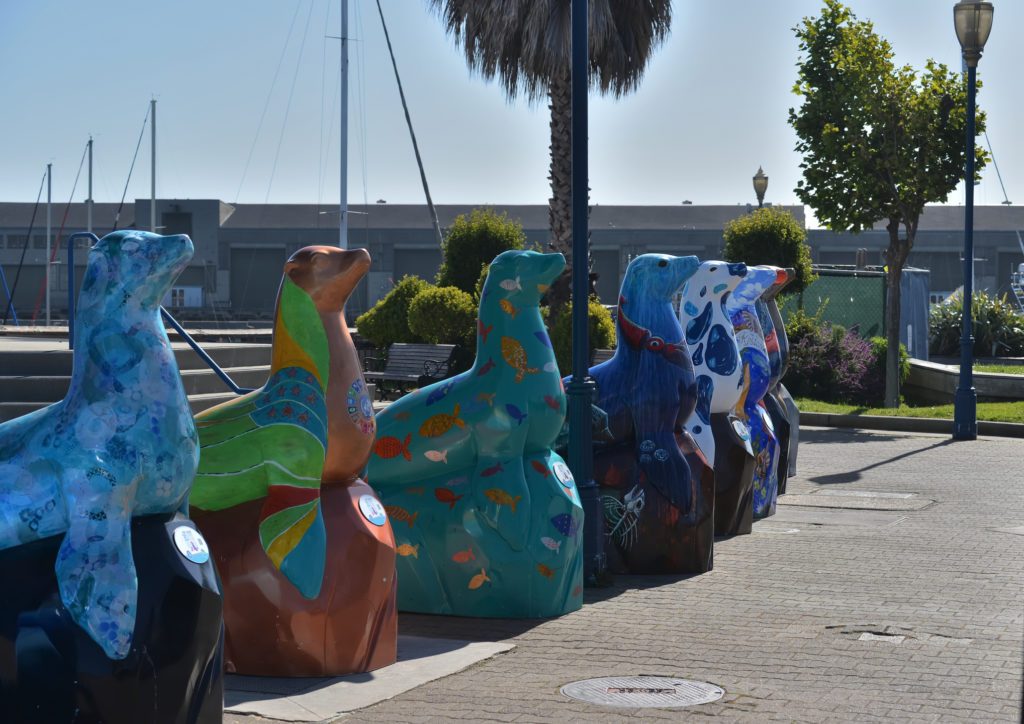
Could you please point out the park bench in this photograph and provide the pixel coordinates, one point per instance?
(601, 355)
(409, 365)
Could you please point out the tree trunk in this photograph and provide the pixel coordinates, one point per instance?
(560, 203)
(895, 256)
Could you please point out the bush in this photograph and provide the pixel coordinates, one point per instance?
(770, 236)
(443, 315)
(602, 333)
(472, 243)
(388, 322)
(996, 322)
(831, 364)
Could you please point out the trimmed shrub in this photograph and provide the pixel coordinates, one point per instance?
(443, 315)
(995, 323)
(472, 243)
(602, 333)
(388, 321)
(770, 235)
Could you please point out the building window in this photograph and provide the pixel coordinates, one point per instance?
(177, 297)
(176, 222)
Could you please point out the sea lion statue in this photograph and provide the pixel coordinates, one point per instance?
(486, 514)
(656, 486)
(303, 547)
(111, 608)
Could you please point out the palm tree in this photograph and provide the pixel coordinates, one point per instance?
(527, 45)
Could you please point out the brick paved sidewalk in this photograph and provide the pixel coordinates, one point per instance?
(780, 620)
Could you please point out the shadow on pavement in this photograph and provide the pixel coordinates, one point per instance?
(854, 436)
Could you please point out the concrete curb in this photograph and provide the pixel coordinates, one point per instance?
(907, 424)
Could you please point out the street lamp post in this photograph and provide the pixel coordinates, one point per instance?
(760, 186)
(973, 22)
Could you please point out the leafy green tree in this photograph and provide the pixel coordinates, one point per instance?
(388, 321)
(471, 244)
(878, 141)
(527, 45)
(772, 236)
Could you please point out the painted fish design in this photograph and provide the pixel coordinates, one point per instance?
(408, 550)
(436, 456)
(540, 467)
(440, 393)
(546, 571)
(516, 414)
(542, 335)
(508, 308)
(515, 355)
(445, 495)
(403, 415)
(551, 544)
(511, 285)
(401, 514)
(478, 580)
(415, 491)
(464, 556)
(566, 525)
(441, 423)
(490, 365)
(553, 403)
(501, 497)
(492, 471)
(487, 397)
(389, 447)
(483, 331)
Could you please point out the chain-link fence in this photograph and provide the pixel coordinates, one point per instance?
(851, 298)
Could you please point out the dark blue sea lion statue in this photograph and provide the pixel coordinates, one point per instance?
(656, 486)
(111, 609)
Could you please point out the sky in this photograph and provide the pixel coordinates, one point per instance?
(247, 104)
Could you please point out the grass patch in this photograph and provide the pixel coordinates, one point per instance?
(994, 411)
(1004, 369)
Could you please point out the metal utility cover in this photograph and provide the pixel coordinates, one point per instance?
(643, 691)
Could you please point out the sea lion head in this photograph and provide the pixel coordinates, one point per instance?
(754, 284)
(656, 277)
(327, 274)
(522, 277)
(134, 267)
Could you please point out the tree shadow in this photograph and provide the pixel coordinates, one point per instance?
(849, 476)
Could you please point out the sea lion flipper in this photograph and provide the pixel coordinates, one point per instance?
(293, 535)
(96, 573)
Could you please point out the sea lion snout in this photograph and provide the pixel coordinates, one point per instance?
(327, 274)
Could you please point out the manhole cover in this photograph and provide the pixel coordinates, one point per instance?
(643, 691)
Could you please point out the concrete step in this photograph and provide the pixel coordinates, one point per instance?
(55, 362)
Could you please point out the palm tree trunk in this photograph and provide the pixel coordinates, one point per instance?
(560, 203)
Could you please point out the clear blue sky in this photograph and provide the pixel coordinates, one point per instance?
(711, 109)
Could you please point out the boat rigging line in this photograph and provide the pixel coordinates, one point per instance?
(138, 145)
(56, 242)
(1006, 199)
(21, 262)
(408, 121)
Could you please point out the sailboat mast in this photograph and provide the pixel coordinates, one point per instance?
(88, 201)
(49, 198)
(343, 190)
(152, 182)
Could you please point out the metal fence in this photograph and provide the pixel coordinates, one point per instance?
(850, 297)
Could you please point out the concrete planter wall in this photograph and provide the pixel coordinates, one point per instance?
(935, 384)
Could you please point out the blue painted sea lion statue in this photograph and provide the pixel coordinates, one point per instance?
(111, 604)
(656, 485)
(486, 516)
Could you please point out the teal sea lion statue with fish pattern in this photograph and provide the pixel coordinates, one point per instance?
(111, 608)
(486, 516)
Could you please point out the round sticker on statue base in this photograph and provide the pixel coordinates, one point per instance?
(191, 544)
(372, 510)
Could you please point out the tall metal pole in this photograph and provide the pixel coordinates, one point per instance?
(343, 192)
(152, 181)
(49, 195)
(581, 387)
(965, 403)
(88, 201)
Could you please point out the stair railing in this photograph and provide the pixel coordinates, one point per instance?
(166, 315)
